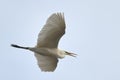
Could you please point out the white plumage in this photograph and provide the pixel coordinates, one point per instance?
(52, 31)
(46, 51)
(46, 63)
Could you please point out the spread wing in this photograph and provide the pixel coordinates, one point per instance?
(52, 31)
(46, 63)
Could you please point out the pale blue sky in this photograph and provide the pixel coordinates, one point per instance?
(93, 32)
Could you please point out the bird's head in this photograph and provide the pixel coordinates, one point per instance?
(62, 53)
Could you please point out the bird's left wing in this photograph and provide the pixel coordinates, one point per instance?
(52, 31)
(46, 63)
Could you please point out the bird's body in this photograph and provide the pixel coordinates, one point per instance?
(54, 52)
(46, 51)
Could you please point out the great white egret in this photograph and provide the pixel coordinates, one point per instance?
(46, 51)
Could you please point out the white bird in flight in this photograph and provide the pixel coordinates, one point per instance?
(46, 51)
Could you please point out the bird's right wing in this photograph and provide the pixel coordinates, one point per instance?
(52, 31)
(46, 63)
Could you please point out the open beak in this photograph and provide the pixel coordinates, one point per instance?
(71, 54)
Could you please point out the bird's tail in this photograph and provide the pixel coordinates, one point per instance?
(16, 46)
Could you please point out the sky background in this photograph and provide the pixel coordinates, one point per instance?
(93, 32)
